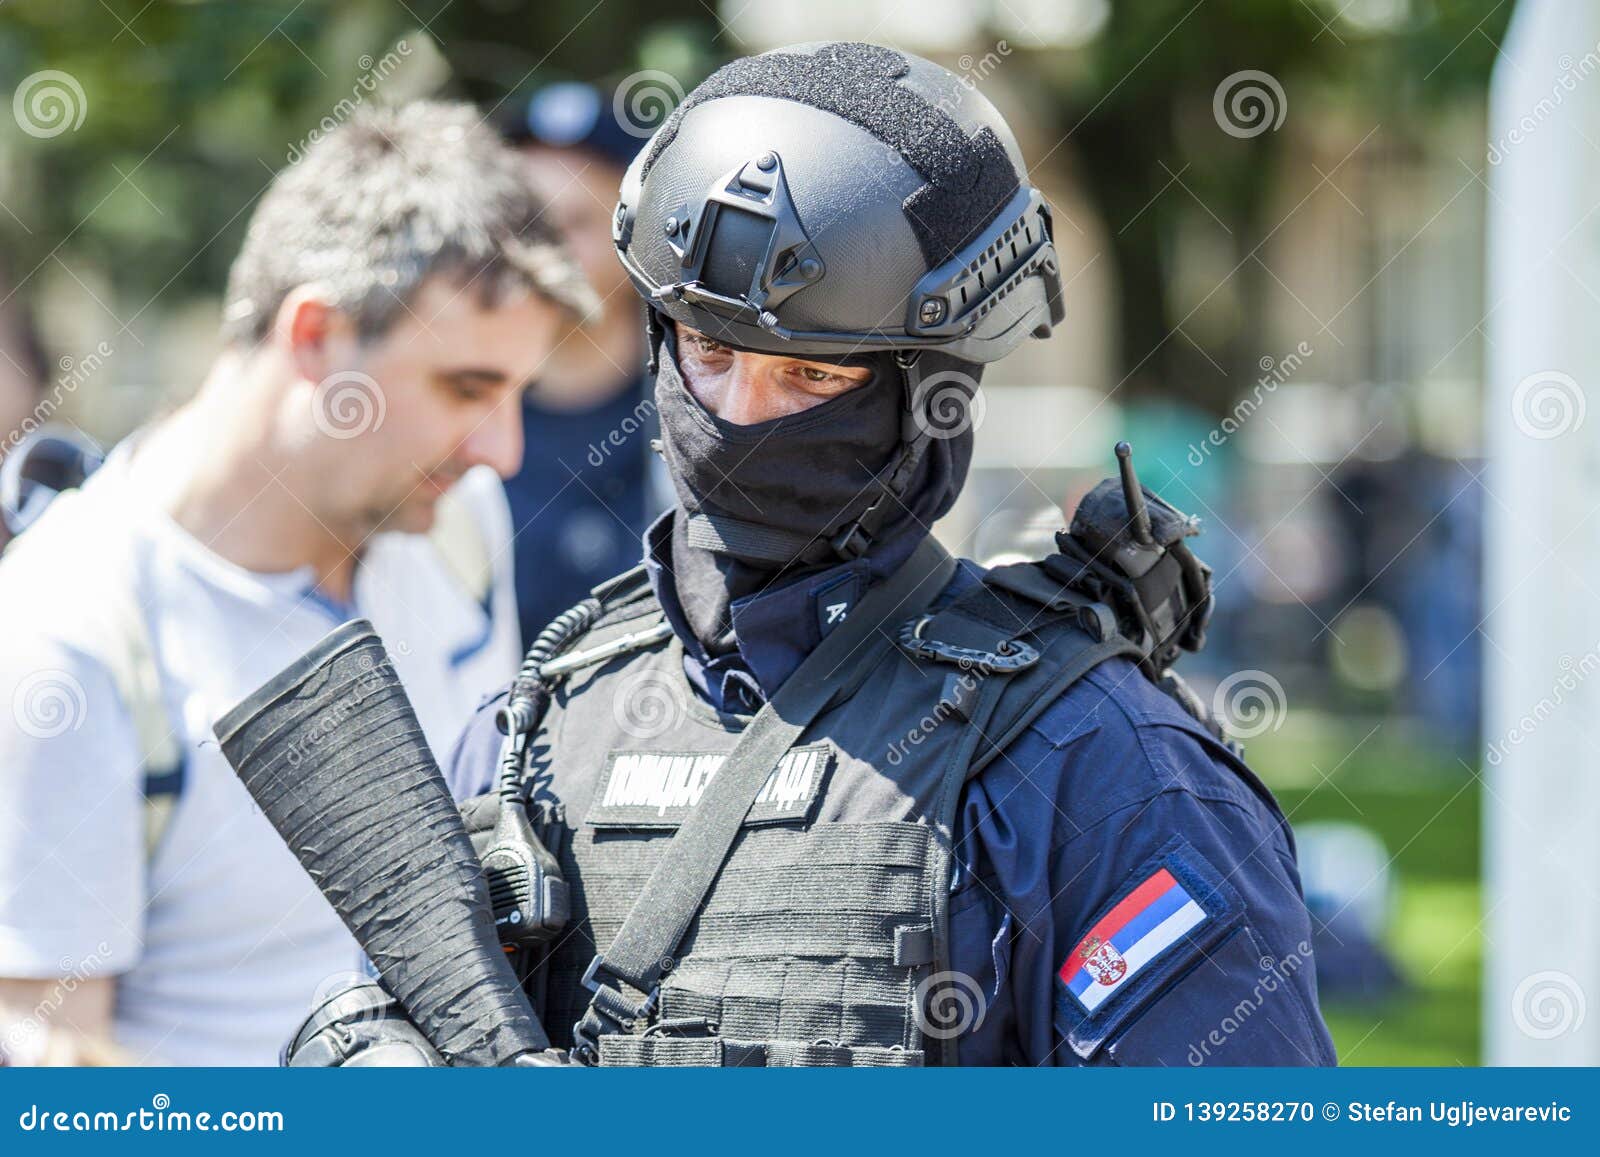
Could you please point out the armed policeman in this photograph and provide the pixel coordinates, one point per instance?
(816, 793)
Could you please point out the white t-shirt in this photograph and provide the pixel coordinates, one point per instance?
(219, 941)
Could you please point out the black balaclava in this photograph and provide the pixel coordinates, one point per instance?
(804, 476)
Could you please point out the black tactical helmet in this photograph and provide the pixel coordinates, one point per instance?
(829, 199)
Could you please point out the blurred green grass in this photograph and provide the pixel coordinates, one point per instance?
(1426, 808)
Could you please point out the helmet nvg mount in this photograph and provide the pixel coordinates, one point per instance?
(830, 199)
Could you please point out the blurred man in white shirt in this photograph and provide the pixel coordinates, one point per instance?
(396, 292)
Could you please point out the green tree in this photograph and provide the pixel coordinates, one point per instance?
(1137, 108)
(178, 114)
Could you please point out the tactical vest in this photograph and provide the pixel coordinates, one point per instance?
(824, 939)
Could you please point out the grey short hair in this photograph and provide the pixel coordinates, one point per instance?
(391, 197)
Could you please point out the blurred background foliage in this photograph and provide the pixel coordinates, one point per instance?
(197, 103)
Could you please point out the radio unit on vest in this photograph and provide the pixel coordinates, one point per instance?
(1123, 569)
(1125, 548)
(527, 892)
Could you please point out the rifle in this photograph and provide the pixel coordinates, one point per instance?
(331, 751)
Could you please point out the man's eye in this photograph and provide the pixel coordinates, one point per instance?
(812, 374)
(471, 393)
(707, 345)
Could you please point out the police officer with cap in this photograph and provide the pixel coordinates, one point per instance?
(823, 795)
(586, 489)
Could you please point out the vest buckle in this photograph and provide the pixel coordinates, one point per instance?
(612, 993)
(609, 1012)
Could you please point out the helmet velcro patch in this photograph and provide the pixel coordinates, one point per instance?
(969, 178)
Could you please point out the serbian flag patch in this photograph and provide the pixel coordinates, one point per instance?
(1143, 924)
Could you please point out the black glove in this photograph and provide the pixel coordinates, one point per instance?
(359, 1025)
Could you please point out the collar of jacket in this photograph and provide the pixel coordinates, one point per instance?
(775, 628)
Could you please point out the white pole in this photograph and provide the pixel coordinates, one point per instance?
(1542, 564)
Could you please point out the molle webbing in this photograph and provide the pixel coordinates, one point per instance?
(665, 1052)
(806, 912)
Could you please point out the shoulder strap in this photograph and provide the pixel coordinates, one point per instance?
(661, 914)
(125, 649)
(1071, 656)
(1059, 589)
(133, 669)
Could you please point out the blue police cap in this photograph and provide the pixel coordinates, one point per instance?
(571, 114)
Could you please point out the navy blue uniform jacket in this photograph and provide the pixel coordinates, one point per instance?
(1125, 889)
